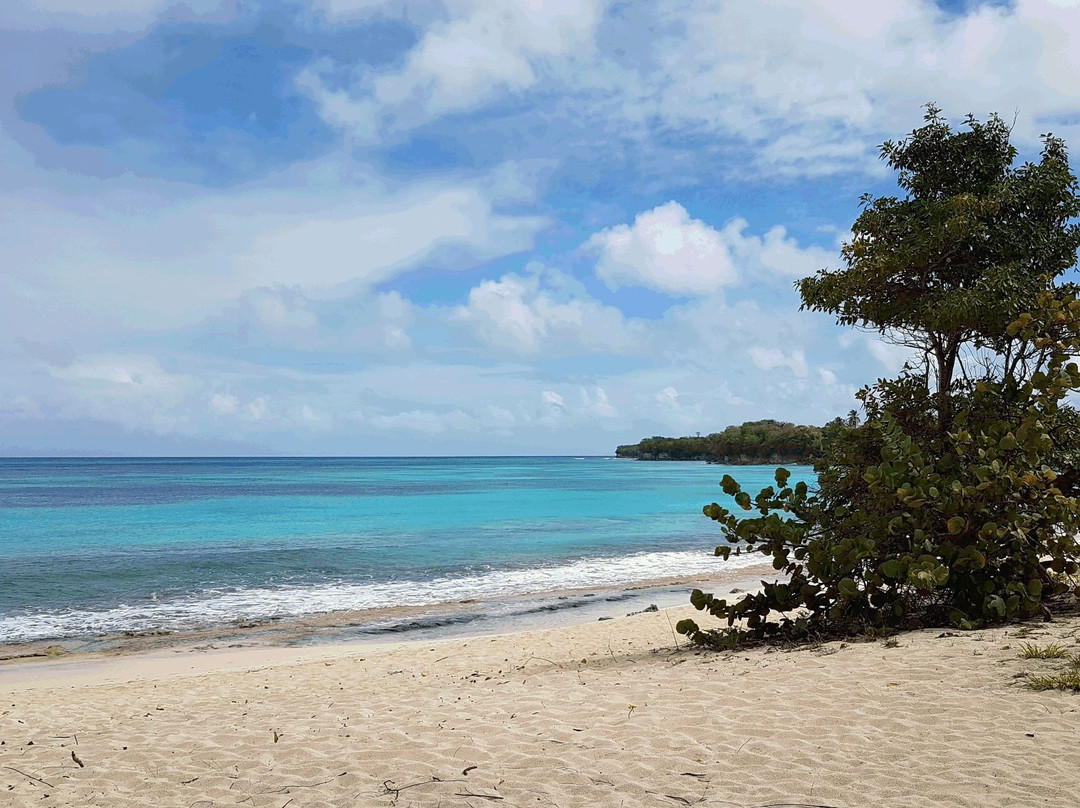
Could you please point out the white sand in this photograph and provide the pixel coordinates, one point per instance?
(603, 714)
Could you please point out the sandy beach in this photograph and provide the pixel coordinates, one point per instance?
(608, 713)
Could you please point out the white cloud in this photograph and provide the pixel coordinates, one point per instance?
(807, 87)
(375, 242)
(147, 255)
(891, 356)
(669, 397)
(775, 358)
(136, 373)
(828, 378)
(280, 308)
(775, 252)
(427, 422)
(293, 320)
(670, 252)
(482, 50)
(257, 410)
(132, 390)
(597, 402)
(665, 250)
(813, 85)
(552, 399)
(544, 311)
(224, 404)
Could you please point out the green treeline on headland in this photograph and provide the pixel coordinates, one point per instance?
(752, 442)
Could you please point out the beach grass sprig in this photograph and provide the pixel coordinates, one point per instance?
(1051, 651)
(1065, 680)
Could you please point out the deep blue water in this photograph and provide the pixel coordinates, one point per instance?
(98, 546)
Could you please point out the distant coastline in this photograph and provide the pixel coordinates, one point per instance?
(724, 460)
(753, 443)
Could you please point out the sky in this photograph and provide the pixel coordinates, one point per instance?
(460, 227)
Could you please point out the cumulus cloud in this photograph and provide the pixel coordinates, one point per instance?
(667, 250)
(256, 410)
(552, 399)
(545, 311)
(774, 253)
(674, 410)
(224, 404)
(774, 358)
(597, 402)
(668, 397)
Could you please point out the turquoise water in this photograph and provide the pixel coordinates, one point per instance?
(91, 547)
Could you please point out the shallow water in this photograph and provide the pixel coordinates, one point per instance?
(93, 547)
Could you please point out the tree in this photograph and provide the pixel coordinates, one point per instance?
(945, 269)
(953, 501)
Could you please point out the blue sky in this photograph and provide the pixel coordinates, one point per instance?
(457, 227)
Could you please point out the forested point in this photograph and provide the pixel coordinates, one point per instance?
(750, 443)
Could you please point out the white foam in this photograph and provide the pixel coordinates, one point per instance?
(222, 608)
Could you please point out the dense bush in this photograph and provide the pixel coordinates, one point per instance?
(955, 500)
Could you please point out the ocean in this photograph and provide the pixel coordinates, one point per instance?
(92, 548)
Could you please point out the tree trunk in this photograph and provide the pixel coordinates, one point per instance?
(945, 356)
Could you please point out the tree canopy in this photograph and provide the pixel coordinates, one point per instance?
(765, 441)
(954, 501)
(945, 268)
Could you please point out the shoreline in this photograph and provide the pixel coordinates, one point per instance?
(368, 628)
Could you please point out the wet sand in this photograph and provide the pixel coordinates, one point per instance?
(405, 623)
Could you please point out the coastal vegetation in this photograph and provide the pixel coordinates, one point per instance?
(954, 501)
(752, 442)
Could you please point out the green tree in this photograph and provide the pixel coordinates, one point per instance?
(953, 500)
(945, 269)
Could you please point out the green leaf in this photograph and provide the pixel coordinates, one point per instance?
(890, 569)
(687, 626)
(848, 588)
(927, 573)
(956, 524)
